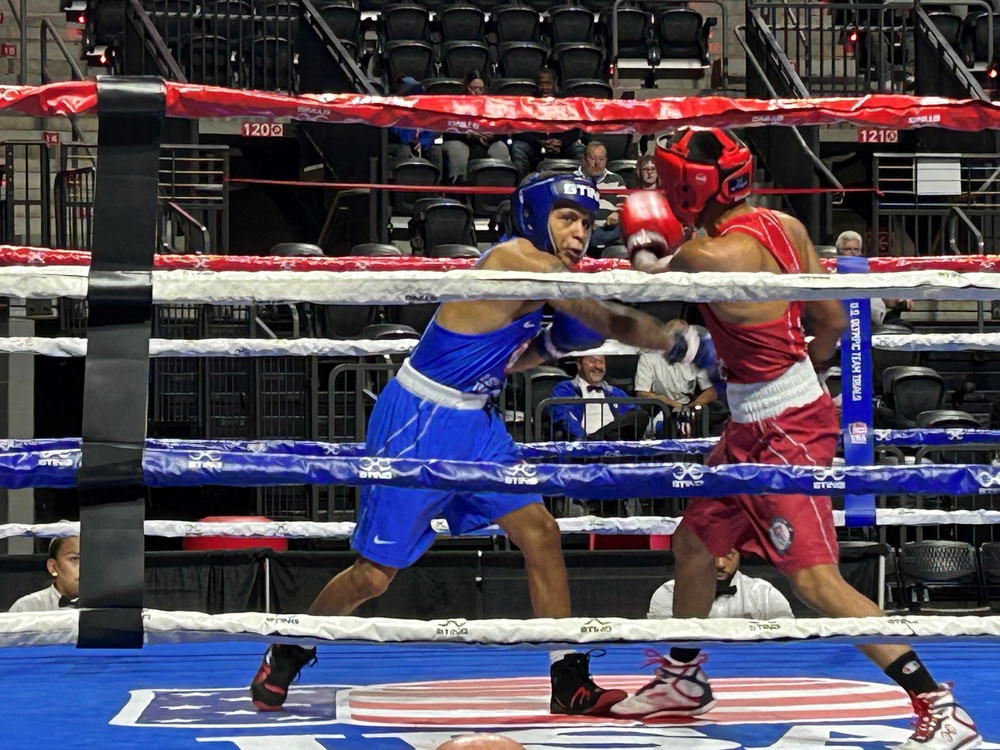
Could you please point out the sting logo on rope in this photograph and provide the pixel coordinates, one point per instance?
(205, 460)
(451, 627)
(989, 482)
(829, 479)
(687, 475)
(520, 474)
(597, 626)
(375, 468)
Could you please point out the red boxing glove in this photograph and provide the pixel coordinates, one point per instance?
(648, 223)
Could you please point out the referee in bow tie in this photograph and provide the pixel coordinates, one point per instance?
(736, 595)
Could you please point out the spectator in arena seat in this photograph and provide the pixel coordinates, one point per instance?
(528, 149)
(596, 421)
(63, 565)
(459, 148)
(685, 387)
(594, 166)
(645, 171)
(736, 595)
(407, 143)
(850, 244)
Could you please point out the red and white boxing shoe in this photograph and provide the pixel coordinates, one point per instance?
(940, 723)
(677, 689)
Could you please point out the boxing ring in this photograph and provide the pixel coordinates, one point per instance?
(79, 676)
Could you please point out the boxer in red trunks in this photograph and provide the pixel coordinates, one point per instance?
(779, 415)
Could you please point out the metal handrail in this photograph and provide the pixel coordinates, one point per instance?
(954, 215)
(346, 62)
(817, 162)
(948, 54)
(798, 29)
(46, 30)
(206, 240)
(22, 28)
(154, 42)
(781, 59)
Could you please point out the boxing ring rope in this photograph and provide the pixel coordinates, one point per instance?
(60, 627)
(635, 525)
(47, 274)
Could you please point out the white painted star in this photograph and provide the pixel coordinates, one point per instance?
(241, 712)
(242, 699)
(293, 717)
(194, 695)
(184, 708)
(176, 721)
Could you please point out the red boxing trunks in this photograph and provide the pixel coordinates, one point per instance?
(792, 532)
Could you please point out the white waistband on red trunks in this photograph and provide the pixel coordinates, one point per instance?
(755, 402)
(430, 390)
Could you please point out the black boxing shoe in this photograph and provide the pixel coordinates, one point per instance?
(280, 666)
(575, 693)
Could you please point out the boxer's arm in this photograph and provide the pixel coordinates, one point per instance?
(826, 317)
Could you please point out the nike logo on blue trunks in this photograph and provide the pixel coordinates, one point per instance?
(381, 541)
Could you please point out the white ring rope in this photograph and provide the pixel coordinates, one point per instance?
(306, 347)
(48, 628)
(635, 525)
(402, 287)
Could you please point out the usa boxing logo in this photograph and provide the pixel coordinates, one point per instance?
(687, 475)
(520, 474)
(782, 534)
(374, 468)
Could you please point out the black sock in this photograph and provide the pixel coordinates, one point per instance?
(684, 654)
(910, 674)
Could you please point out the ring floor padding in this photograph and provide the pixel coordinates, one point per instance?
(794, 696)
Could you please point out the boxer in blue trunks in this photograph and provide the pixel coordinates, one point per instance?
(439, 406)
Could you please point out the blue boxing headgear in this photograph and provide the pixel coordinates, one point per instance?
(532, 203)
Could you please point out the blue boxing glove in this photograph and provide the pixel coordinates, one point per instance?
(567, 334)
(694, 346)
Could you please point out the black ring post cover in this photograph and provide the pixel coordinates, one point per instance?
(110, 480)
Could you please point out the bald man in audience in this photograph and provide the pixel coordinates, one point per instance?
(481, 742)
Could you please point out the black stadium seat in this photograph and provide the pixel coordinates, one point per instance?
(462, 23)
(578, 61)
(460, 58)
(587, 87)
(683, 35)
(516, 23)
(521, 59)
(405, 22)
(571, 24)
(490, 173)
(409, 58)
(411, 172)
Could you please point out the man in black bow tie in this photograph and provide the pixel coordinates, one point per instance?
(602, 416)
(64, 567)
(736, 595)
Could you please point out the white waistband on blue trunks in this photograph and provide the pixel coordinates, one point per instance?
(429, 390)
(755, 402)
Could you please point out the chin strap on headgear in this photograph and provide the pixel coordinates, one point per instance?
(697, 167)
(533, 201)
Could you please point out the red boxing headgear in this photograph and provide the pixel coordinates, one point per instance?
(700, 166)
